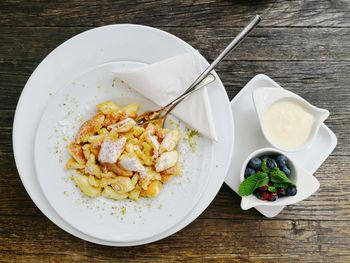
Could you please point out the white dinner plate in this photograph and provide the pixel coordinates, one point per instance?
(113, 220)
(249, 137)
(82, 53)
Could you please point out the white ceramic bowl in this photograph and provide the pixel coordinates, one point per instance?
(305, 182)
(264, 97)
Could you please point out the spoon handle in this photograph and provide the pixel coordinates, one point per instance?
(235, 42)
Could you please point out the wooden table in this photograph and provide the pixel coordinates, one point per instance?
(304, 45)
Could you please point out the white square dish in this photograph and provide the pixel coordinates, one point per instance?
(249, 137)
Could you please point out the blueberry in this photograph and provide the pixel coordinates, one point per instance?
(248, 172)
(271, 163)
(281, 161)
(281, 192)
(291, 191)
(255, 163)
(273, 197)
(259, 194)
(286, 170)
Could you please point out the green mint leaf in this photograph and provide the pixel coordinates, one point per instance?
(272, 189)
(277, 176)
(262, 182)
(253, 182)
(264, 167)
(281, 185)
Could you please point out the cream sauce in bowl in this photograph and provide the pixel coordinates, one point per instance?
(287, 121)
(288, 124)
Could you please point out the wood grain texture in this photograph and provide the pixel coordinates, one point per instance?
(314, 81)
(218, 240)
(193, 14)
(303, 45)
(325, 204)
(285, 44)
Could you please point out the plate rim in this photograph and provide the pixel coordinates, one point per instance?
(20, 168)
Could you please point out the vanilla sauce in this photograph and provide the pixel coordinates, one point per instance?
(288, 123)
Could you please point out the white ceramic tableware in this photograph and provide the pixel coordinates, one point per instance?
(305, 182)
(265, 97)
(79, 54)
(114, 220)
(248, 138)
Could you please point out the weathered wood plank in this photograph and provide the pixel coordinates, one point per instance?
(181, 13)
(304, 45)
(314, 81)
(13, 196)
(285, 44)
(219, 240)
(338, 122)
(330, 202)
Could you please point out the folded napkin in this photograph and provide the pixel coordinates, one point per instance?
(163, 81)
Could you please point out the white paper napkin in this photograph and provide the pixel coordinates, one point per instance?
(163, 81)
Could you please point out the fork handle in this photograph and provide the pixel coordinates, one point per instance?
(234, 43)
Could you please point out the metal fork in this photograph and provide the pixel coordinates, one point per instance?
(204, 79)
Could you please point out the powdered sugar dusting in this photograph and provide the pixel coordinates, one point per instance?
(155, 143)
(170, 140)
(132, 164)
(111, 150)
(89, 169)
(122, 123)
(143, 174)
(166, 160)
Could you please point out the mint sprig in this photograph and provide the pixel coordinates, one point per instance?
(272, 189)
(248, 186)
(264, 167)
(279, 177)
(281, 185)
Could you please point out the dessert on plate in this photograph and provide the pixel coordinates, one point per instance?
(116, 158)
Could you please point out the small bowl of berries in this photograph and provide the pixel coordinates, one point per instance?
(269, 177)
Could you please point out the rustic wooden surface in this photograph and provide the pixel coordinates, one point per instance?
(304, 45)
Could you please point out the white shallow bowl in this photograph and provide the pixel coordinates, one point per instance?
(265, 97)
(133, 43)
(305, 182)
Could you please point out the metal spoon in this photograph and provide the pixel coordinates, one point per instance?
(205, 78)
